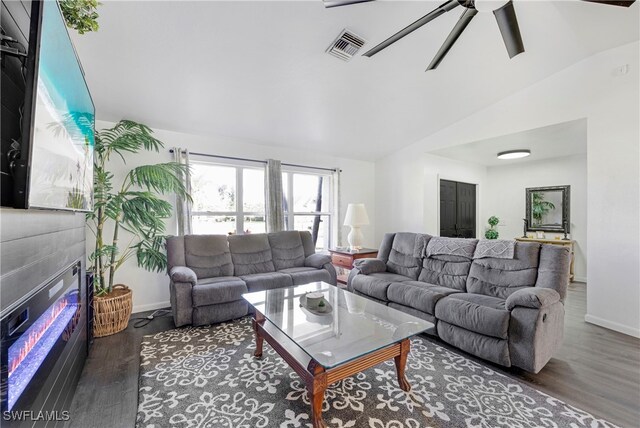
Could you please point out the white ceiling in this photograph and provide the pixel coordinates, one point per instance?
(562, 139)
(258, 71)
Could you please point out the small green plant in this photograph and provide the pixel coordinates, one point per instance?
(81, 15)
(321, 304)
(492, 233)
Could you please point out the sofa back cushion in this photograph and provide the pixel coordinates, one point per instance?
(208, 255)
(554, 267)
(446, 271)
(447, 262)
(307, 242)
(287, 249)
(251, 254)
(502, 277)
(405, 254)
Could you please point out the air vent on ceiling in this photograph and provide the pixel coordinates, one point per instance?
(346, 45)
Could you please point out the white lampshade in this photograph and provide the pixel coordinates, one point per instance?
(356, 215)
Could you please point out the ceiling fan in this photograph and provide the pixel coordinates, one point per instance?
(502, 9)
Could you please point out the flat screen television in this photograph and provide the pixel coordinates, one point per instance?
(59, 118)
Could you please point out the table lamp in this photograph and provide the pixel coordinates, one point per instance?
(356, 216)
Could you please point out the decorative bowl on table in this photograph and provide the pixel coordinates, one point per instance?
(315, 303)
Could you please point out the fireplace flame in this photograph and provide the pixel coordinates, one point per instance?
(36, 335)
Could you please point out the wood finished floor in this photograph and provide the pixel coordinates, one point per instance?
(597, 370)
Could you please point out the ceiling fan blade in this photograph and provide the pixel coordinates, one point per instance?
(443, 8)
(335, 3)
(508, 24)
(462, 23)
(623, 3)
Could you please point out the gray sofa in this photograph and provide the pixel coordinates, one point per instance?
(500, 300)
(209, 273)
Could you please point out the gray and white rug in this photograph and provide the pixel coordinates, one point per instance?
(208, 377)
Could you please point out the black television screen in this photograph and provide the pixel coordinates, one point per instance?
(60, 117)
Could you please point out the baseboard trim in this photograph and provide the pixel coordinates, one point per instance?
(579, 279)
(621, 328)
(150, 307)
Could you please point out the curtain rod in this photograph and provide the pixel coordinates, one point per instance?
(258, 161)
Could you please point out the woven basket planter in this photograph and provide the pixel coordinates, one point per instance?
(111, 312)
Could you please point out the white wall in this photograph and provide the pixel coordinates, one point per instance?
(504, 197)
(151, 290)
(590, 89)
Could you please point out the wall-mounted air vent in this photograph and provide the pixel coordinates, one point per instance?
(346, 45)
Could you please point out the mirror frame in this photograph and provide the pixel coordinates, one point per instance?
(566, 218)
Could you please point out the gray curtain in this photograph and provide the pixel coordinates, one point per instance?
(273, 196)
(183, 206)
(337, 206)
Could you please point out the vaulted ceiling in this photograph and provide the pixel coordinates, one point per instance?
(259, 71)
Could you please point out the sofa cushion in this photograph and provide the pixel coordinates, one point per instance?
(211, 314)
(417, 295)
(475, 312)
(267, 281)
(251, 254)
(419, 314)
(376, 284)
(212, 291)
(489, 348)
(405, 254)
(501, 277)
(286, 249)
(208, 255)
(446, 270)
(373, 299)
(307, 242)
(305, 275)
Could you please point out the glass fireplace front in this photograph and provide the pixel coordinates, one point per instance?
(34, 335)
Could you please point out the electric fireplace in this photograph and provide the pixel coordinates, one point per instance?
(35, 336)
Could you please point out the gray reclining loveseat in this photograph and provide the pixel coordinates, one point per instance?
(209, 273)
(500, 300)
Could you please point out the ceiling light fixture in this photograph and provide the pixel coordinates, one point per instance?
(514, 154)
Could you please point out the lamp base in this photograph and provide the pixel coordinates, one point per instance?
(355, 238)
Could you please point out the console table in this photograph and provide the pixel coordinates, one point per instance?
(343, 260)
(562, 242)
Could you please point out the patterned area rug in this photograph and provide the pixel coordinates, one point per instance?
(208, 377)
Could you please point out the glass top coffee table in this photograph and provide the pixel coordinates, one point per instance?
(347, 334)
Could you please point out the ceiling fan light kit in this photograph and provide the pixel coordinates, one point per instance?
(503, 11)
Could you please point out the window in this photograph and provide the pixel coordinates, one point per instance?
(308, 205)
(227, 199)
(230, 199)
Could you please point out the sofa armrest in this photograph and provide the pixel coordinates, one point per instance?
(532, 297)
(369, 266)
(183, 274)
(317, 260)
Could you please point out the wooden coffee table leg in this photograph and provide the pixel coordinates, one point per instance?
(258, 318)
(401, 363)
(316, 388)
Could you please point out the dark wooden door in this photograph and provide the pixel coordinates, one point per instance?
(457, 209)
(448, 210)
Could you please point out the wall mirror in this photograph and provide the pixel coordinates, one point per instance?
(548, 209)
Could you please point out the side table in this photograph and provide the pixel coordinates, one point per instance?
(343, 258)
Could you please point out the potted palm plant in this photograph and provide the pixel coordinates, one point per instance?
(135, 204)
